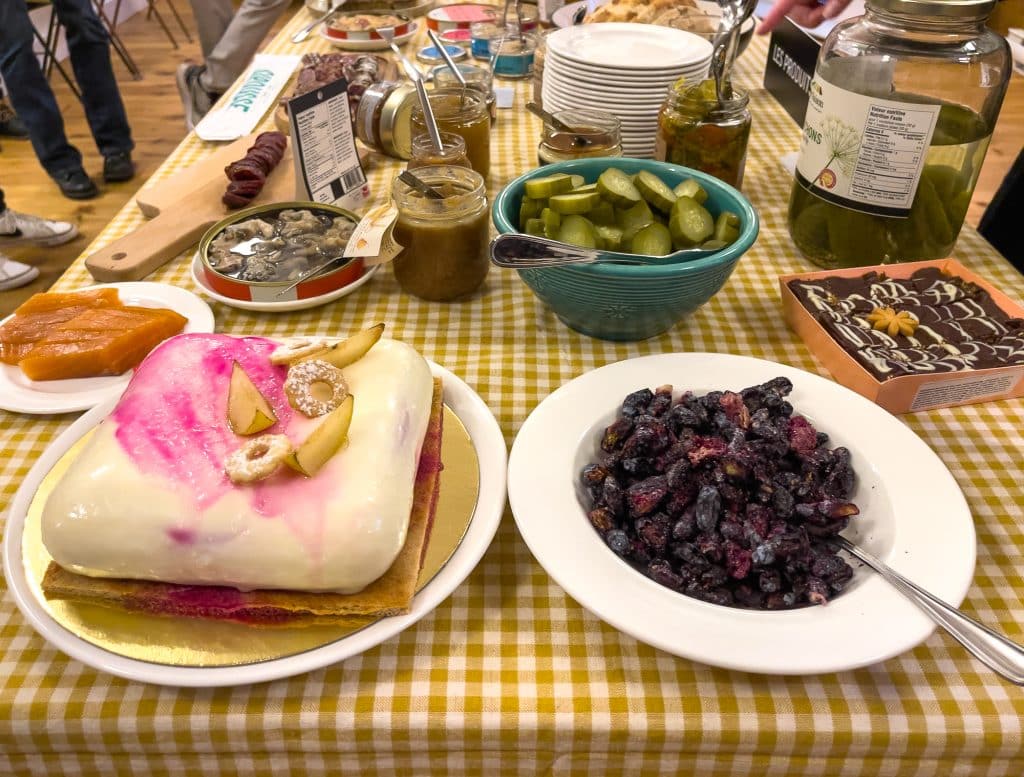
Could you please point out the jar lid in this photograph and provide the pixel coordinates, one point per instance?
(948, 8)
(431, 55)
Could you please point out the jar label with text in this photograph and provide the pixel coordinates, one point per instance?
(864, 153)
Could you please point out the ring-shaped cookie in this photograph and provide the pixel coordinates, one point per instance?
(258, 459)
(302, 378)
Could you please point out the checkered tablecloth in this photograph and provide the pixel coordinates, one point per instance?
(509, 675)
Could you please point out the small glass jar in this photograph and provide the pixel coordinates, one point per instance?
(445, 243)
(513, 54)
(478, 78)
(382, 118)
(901, 111)
(596, 133)
(696, 130)
(480, 36)
(463, 112)
(453, 151)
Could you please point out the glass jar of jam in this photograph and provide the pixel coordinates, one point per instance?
(463, 112)
(902, 107)
(453, 151)
(382, 118)
(478, 78)
(696, 130)
(445, 242)
(596, 133)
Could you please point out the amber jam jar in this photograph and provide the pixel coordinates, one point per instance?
(596, 133)
(478, 78)
(463, 112)
(453, 151)
(445, 242)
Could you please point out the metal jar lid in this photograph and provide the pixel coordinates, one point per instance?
(395, 125)
(948, 8)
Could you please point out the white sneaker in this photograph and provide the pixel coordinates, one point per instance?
(15, 274)
(17, 228)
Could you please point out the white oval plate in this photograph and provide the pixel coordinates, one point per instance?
(284, 306)
(913, 516)
(629, 46)
(22, 395)
(487, 439)
(568, 65)
(369, 45)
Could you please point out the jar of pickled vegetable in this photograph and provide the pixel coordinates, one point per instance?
(901, 110)
(445, 242)
(697, 130)
(595, 133)
(464, 112)
(425, 154)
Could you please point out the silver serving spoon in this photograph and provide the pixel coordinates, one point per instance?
(549, 118)
(734, 14)
(388, 34)
(995, 651)
(302, 34)
(450, 63)
(520, 251)
(420, 185)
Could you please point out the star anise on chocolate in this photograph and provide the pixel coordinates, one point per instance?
(889, 321)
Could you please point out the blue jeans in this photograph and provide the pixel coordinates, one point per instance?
(32, 98)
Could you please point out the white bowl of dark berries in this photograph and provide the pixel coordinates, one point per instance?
(689, 500)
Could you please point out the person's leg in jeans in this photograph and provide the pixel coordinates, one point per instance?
(31, 95)
(89, 47)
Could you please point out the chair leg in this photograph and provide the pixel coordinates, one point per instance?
(50, 58)
(117, 43)
(163, 25)
(181, 24)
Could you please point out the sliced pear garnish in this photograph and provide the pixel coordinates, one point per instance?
(323, 442)
(298, 351)
(248, 410)
(351, 350)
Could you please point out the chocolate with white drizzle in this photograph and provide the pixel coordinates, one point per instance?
(959, 325)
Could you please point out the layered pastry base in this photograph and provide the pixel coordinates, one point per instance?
(149, 498)
(928, 323)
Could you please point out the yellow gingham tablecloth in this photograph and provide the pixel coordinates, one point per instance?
(509, 675)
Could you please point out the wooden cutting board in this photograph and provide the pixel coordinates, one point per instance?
(181, 209)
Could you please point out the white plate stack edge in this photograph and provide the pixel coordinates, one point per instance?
(624, 69)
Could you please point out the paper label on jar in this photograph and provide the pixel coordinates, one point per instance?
(372, 238)
(864, 153)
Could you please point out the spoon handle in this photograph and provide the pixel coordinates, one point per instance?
(517, 253)
(998, 653)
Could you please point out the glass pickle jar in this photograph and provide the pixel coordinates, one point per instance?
(445, 242)
(453, 151)
(596, 133)
(901, 111)
(696, 130)
(465, 114)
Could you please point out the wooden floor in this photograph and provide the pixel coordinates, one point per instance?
(155, 113)
(158, 125)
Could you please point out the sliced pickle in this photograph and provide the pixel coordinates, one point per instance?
(529, 208)
(603, 213)
(609, 238)
(552, 221)
(577, 231)
(652, 240)
(535, 227)
(632, 220)
(690, 223)
(574, 202)
(548, 186)
(727, 227)
(618, 188)
(690, 188)
(654, 190)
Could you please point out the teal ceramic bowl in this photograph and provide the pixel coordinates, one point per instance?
(630, 302)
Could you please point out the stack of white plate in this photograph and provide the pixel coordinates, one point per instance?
(624, 69)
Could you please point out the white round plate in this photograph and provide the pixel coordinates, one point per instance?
(622, 110)
(629, 46)
(489, 444)
(600, 88)
(284, 306)
(617, 76)
(368, 45)
(21, 395)
(912, 515)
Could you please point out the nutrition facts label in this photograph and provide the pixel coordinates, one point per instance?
(891, 154)
(864, 152)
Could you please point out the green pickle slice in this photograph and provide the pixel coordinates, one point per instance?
(632, 220)
(690, 188)
(535, 227)
(727, 227)
(690, 223)
(548, 186)
(603, 213)
(577, 231)
(529, 208)
(574, 202)
(618, 188)
(552, 223)
(652, 240)
(654, 190)
(609, 238)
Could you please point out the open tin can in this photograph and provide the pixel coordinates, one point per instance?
(257, 253)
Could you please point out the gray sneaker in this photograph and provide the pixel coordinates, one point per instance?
(196, 100)
(17, 228)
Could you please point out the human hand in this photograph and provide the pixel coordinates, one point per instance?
(806, 13)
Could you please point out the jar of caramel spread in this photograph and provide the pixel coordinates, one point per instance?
(445, 242)
(463, 112)
(595, 133)
(424, 154)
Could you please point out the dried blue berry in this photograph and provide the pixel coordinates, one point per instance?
(709, 508)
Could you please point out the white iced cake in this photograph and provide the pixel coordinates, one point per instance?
(148, 497)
